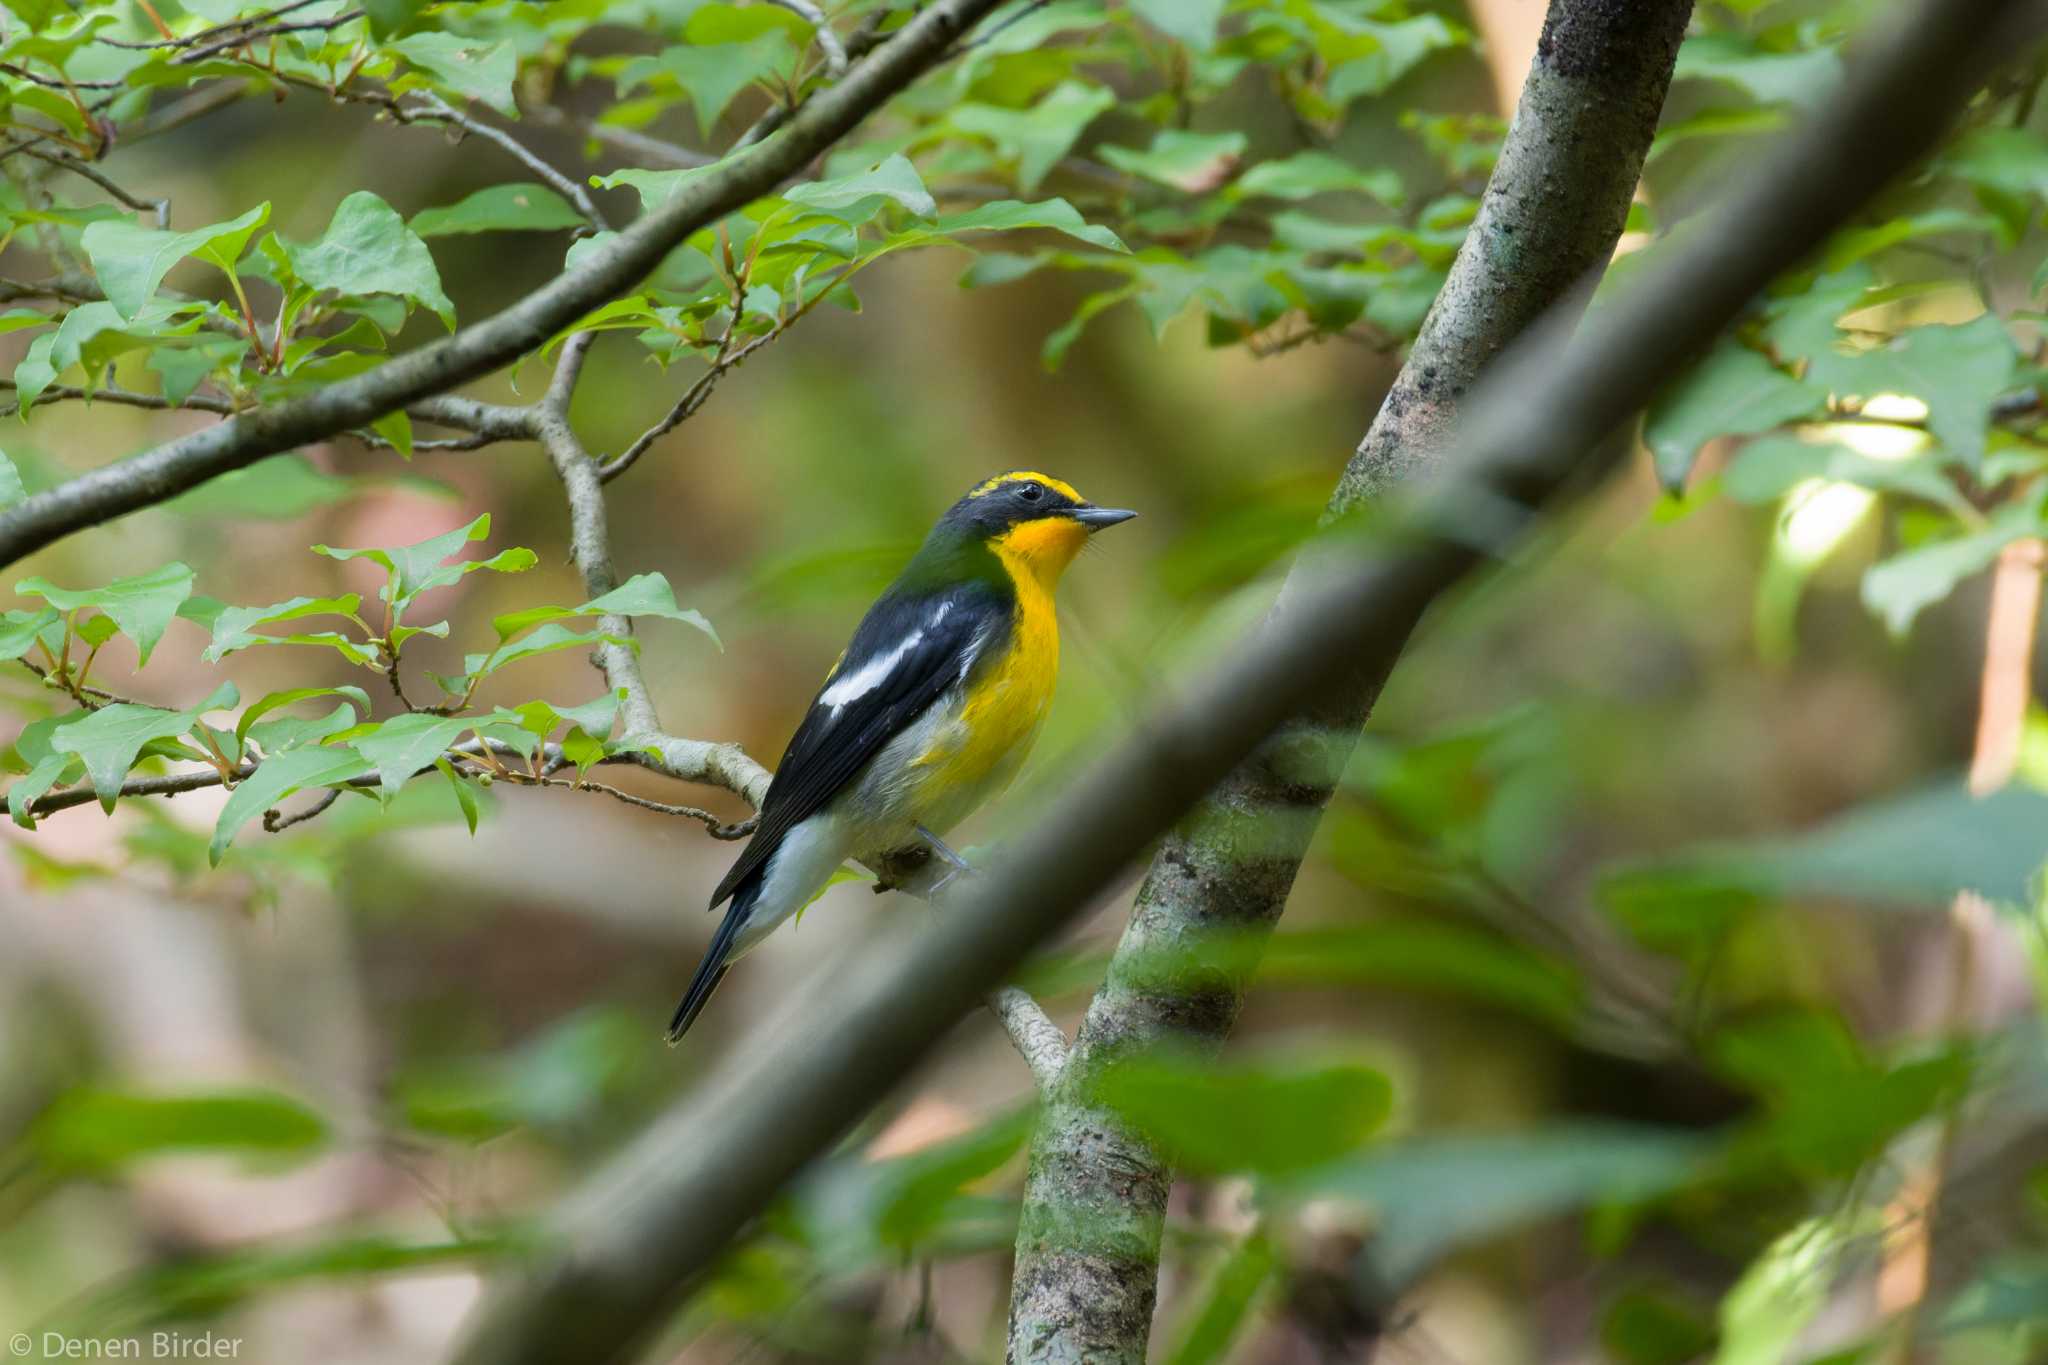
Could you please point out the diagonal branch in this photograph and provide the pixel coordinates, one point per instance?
(639, 1236)
(476, 350)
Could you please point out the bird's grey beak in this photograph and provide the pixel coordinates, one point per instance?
(1099, 518)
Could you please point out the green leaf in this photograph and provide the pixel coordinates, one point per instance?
(273, 701)
(501, 208)
(1227, 1301)
(468, 68)
(109, 739)
(276, 778)
(1433, 1195)
(2012, 1291)
(413, 569)
(388, 17)
(1801, 77)
(1829, 1107)
(1011, 215)
(1306, 174)
(132, 261)
(92, 336)
(1040, 136)
(368, 249)
(465, 795)
(1900, 588)
(234, 628)
(406, 745)
(48, 771)
(894, 180)
(646, 594)
(1764, 1315)
(1771, 466)
(11, 490)
(19, 631)
(1275, 1117)
(1189, 21)
(2008, 160)
(549, 638)
(1915, 851)
(141, 606)
(1194, 162)
(1956, 370)
(712, 76)
(1403, 44)
(1733, 392)
(97, 1131)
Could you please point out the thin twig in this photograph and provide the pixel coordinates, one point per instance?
(713, 825)
(821, 29)
(1036, 1037)
(276, 822)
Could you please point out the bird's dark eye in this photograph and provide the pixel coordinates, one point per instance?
(1031, 492)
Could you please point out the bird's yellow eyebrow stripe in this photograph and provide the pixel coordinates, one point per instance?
(1060, 486)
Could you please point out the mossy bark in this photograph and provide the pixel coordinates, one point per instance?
(1087, 1264)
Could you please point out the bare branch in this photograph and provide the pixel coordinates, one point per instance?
(476, 350)
(828, 41)
(160, 209)
(646, 1228)
(277, 822)
(1036, 1037)
(713, 826)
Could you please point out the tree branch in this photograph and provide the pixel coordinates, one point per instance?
(1087, 1268)
(821, 27)
(1036, 1037)
(476, 350)
(636, 1238)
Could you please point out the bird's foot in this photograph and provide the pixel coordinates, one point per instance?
(956, 866)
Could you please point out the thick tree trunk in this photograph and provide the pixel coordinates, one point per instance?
(1095, 1199)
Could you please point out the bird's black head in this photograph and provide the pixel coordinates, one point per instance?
(1020, 525)
(996, 507)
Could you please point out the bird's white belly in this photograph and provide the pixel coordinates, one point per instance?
(879, 812)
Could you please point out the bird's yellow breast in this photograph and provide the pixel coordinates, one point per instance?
(1007, 701)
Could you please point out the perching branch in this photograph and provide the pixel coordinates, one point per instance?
(630, 1244)
(1087, 1269)
(476, 350)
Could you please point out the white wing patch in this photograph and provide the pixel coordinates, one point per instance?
(869, 675)
(874, 672)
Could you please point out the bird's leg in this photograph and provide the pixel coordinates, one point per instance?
(953, 861)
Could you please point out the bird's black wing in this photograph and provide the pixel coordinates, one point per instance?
(906, 653)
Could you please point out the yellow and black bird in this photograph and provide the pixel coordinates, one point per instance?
(928, 713)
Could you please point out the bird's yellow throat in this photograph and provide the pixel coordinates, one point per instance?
(1037, 552)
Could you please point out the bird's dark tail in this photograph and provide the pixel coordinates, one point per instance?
(716, 961)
